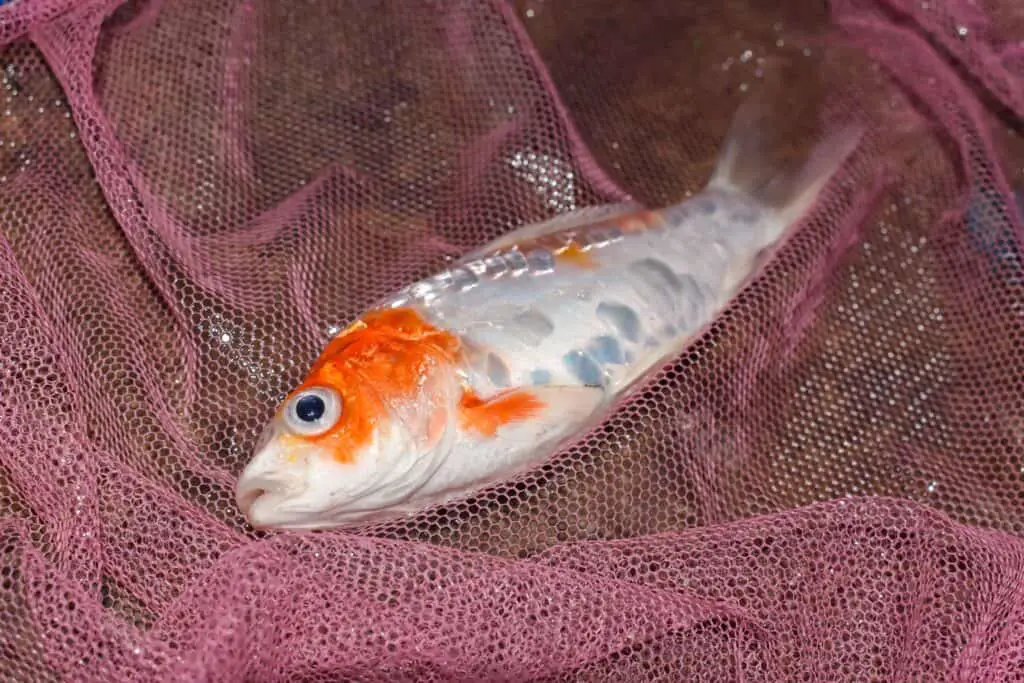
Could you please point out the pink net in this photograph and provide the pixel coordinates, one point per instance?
(829, 486)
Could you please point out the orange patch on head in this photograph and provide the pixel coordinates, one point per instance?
(391, 328)
(487, 416)
(576, 256)
(380, 360)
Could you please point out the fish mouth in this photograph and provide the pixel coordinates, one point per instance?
(273, 511)
(268, 482)
(254, 504)
(267, 505)
(245, 499)
(261, 498)
(266, 510)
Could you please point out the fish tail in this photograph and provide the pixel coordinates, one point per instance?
(747, 166)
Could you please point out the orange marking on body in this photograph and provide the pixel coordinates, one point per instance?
(377, 361)
(486, 416)
(576, 256)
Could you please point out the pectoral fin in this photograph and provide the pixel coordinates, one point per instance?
(533, 416)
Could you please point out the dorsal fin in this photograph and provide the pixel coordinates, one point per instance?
(565, 221)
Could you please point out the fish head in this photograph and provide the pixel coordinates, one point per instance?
(368, 425)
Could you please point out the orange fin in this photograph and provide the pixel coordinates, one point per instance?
(533, 418)
(486, 416)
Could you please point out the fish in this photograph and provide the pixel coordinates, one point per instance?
(481, 372)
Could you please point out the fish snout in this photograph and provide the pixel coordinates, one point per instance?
(265, 479)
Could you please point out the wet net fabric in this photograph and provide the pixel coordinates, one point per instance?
(828, 486)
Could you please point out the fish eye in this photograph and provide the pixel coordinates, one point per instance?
(313, 411)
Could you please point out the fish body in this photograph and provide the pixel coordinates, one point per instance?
(588, 305)
(480, 372)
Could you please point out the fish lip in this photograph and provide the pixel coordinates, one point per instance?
(276, 510)
(262, 519)
(246, 498)
(267, 479)
(255, 487)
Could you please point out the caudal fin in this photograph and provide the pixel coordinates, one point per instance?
(746, 165)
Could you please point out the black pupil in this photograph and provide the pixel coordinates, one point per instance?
(310, 408)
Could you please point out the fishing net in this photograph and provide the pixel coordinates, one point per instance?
(827, 486)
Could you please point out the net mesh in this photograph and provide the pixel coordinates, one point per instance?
(828, 486)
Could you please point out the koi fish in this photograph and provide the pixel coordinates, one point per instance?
(478, 373)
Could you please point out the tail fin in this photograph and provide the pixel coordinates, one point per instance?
(745, 165)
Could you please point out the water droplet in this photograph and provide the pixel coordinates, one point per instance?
(961, 31)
